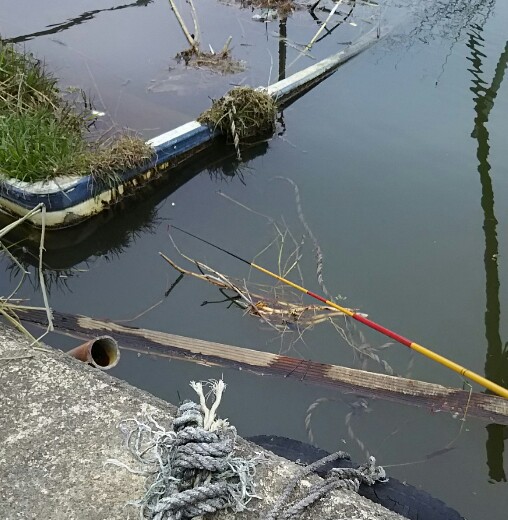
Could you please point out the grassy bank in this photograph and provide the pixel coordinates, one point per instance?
(43, 135)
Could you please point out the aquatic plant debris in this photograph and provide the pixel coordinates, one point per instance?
(45, 134)
(241, 114)
(221, 62)
(194, 56)
(190, 466)
(275, 311)
(273, 8)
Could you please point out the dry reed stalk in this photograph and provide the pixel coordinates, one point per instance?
(316, 36)
(16, 223)
(41, 272)
(192, 42)
(195, 20)
(322, 28)
(277, 313)
(8, 309)
(225, 49)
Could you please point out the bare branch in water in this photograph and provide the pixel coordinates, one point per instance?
(277, 313)
(192, 41)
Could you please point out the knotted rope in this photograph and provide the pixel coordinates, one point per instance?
(337, 478)
(190, 467)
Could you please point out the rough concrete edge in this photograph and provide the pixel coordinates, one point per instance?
(274, 475)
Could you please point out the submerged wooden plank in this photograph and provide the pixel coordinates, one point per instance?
(434, 397)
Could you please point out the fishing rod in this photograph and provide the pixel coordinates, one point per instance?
(466, 373)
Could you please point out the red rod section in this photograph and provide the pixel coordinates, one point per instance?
(383, 330)
(320, 298)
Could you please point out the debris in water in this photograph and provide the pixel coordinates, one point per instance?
(243, 113)
(266, 16)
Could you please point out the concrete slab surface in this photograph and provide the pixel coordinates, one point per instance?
(58, 426)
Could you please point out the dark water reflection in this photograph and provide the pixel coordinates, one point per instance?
(82, 18)
(387, 155)
(496, 365)
(114, 231)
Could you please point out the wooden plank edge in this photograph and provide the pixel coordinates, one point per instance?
(434, 397)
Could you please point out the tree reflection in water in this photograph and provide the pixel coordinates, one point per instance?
(496, 364)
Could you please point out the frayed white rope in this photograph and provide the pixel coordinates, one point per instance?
(210, 422)
(190, 467)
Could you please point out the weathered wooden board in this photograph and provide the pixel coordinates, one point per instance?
(431, 396)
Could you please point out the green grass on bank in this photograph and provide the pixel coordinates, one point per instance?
(43, 136)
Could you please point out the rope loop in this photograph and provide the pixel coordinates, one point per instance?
(192, 468)
(337, 478)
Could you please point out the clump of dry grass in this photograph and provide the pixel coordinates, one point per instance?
(221, 62)
(117, 154)
(243, 113)
(43, 135)
(283, 7)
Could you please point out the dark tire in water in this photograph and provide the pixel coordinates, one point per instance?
(396, 496)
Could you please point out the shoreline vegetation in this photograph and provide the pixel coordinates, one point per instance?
(46, 133)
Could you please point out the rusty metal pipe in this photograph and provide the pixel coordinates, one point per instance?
(102, 352)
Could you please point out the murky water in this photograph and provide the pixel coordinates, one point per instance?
(400, 161)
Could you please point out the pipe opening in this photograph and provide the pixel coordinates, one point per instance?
(104, 352)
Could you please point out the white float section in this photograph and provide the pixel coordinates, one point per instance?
(174, 134)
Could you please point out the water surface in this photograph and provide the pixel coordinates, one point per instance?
(400, 161)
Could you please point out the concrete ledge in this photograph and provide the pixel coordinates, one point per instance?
(59, 421)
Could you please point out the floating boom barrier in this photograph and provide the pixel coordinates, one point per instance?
(71, 200)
